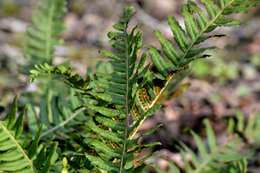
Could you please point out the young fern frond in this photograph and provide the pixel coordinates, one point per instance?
(170, 60)
(44, 33)
(212, 157)
(13, 156)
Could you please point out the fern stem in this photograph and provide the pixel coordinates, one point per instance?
(18, 146)
(63, 123)
(184, 56)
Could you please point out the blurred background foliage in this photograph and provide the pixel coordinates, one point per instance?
(219, 87)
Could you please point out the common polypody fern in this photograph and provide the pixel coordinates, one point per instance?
(132, 89)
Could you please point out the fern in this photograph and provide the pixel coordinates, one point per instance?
(13, 156)
(114, 95)
(170, 60)
(129, 89)
(212, 157)
(118, 97)
(231, 167)
(248, 129)
(42, 38)
(43, 35)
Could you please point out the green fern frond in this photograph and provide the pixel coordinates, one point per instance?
(212, 157)
(66, 74)
(200, 19)
(43, 35)
(14, 157)
(109, 129)
(248, 128)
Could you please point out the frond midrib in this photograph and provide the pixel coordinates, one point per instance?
(18, 146)
(126, 105)
(170, 77)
